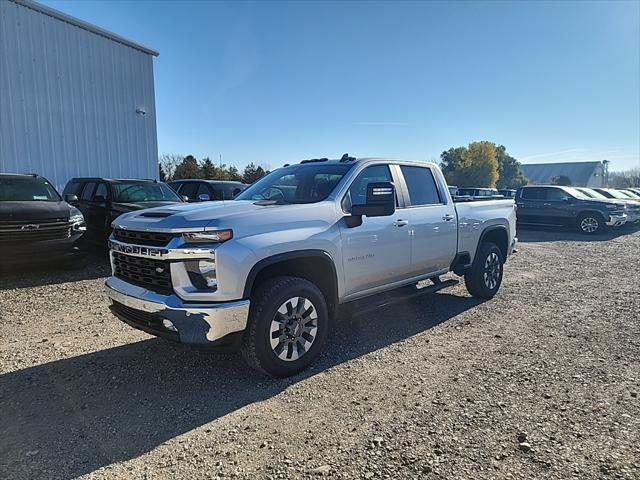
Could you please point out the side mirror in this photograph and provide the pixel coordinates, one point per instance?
(381, 201)
(185, 198)
(69, 198)
(203, 197)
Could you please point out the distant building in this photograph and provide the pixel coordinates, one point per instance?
(75, 99)
(581, 174)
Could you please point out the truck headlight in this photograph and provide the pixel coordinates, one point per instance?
(77, 219)
(202, 274)
(217, 236)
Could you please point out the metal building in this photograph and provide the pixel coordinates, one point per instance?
(580, 174)
(75, 100)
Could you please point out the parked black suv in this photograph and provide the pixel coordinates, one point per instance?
(102, 200)
(566, 206)
(36, 225)
(205, 190)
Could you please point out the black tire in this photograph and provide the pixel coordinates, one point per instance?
(479, 285)
(591, 223)
(272, 295)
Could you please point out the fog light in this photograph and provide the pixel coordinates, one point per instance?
(202, 274)
(168, 325)
(208, 271)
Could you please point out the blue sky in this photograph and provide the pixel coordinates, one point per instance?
(276, 82)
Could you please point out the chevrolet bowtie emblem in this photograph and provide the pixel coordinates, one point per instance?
(30, 227)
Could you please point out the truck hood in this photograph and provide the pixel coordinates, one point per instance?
(243, 216)
(17, 211)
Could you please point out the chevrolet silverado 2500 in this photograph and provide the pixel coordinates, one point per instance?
(266, 272)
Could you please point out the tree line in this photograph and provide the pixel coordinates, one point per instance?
(175, 167)
(481, 164)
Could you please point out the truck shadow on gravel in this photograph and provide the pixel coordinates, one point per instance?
(26, 276)
(73, 416)
(550, 234)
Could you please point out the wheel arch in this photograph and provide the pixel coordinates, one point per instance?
(590, 212)
(497, 234)
(316, 266)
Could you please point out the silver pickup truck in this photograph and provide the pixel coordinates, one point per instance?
(266, 273)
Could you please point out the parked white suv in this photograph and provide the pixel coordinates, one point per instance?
(266, 272)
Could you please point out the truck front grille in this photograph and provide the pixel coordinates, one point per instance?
(152, 239)
(154, 275)
(20, 231)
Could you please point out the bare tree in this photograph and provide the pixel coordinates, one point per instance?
(169, 162)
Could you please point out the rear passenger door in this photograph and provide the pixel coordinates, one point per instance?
(432, 220)
(529, 203)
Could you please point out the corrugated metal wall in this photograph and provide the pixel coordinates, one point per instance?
(68, 100)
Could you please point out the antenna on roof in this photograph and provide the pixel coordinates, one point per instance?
(347, 158)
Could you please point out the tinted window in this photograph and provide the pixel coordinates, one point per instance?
(189, 189)
(230, 191)
(87, 191)
(72, 188)
(203, 189)
(556, 194)
(421, 184)
(143, 192)
(101, 191)
(532, 193)
(358, 190)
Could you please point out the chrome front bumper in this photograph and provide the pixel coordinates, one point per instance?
(197, 324)
(617, 220)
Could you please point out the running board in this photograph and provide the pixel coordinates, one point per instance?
(398, 295)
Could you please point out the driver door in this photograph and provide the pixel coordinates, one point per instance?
(378, 252)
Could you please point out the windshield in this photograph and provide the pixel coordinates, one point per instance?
(144, 192)
(629, 195)
(616, 194)
(593, 194)
(297, 184)
(27, 189)
(577, 193)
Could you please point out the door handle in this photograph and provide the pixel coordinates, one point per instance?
(546, 204)
(448, 217)
(401, 223)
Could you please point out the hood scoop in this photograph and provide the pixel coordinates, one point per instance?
(156, 214)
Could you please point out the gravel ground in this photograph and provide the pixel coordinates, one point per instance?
(541, 382)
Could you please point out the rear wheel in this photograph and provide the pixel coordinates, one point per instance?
(484, 278)
(590, 223)
(287, 328)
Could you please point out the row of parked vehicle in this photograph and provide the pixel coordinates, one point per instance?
(480, 193)
(591, 210)
(33, 215)
(36, 223)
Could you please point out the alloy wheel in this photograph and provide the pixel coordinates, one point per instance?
(294, 328)
(492, 269)
(589, 224)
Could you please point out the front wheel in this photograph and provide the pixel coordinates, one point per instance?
(484, 278)
(287, 328)
(590, 223)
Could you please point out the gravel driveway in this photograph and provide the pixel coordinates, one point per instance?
(541, 382)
